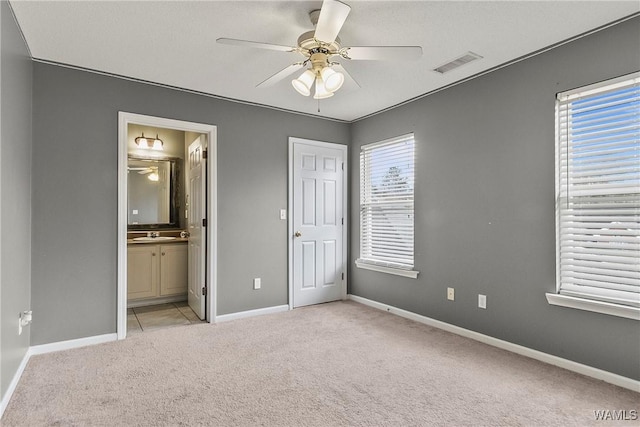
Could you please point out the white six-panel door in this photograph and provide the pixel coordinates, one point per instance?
(317, 222)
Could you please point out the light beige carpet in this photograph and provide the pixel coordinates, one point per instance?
(328, 365)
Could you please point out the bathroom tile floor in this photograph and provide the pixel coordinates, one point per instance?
(140, 319)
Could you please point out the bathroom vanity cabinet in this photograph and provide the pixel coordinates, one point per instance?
(155, 271)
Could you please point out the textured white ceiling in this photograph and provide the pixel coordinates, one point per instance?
(173, 42)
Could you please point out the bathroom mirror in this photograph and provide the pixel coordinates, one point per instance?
(153, 193)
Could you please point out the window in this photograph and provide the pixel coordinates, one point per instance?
(598, 198)
(386, 206)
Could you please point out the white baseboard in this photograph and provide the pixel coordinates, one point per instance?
(570, 365)
(66, 345)
(99, 339)
(49, 348)
(251, 313)
(14, 383)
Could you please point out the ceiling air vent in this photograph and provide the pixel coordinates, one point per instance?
(458, 62)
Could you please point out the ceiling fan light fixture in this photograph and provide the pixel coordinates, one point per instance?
(320, 47)
(303, 83)
(321, 90)
(332, 80)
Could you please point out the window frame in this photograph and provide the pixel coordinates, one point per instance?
(573, 301)
(381, 265)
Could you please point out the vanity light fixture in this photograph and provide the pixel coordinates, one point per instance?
(153, 176)
(150, 144)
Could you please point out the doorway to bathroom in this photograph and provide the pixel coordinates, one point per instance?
(166, 227)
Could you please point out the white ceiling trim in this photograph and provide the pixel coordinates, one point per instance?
(173, 44)
(180, 89)
(408, 101)
(506, 64)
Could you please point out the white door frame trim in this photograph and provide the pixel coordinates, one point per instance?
(124, 119)
(345, 186)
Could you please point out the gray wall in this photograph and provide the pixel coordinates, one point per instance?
(15, 193)
(75, 195)
(484, 204)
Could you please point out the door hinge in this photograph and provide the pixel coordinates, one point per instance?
(204, 290)
(342, 165)
(204, 154)
(204, 222)
(342, 276)
(342, 221)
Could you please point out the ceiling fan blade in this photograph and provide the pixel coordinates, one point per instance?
(348, 79)
(383, 53)
(332, 17)
(281, 75)
(259, 45)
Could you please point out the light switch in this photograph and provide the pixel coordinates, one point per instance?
(135, 212)
(283, 214)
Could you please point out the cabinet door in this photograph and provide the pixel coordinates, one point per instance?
(173, 269)
(142, 271)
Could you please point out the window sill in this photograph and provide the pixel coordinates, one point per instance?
(412, 274)
(595, 306)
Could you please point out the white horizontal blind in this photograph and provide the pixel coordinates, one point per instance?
(386, 203)
(598, 192)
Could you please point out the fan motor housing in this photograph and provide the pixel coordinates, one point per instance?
(307, 41)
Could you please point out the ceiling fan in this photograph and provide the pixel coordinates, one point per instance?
(320, 48)
(144, 170)
(151, 172)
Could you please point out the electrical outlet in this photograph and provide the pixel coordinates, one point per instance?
(451, 294)
(257, 283)
(24, 319)
(482, 301)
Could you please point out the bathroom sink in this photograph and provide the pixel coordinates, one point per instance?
(152, 239)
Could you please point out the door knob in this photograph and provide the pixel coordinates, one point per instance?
(298, 234)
